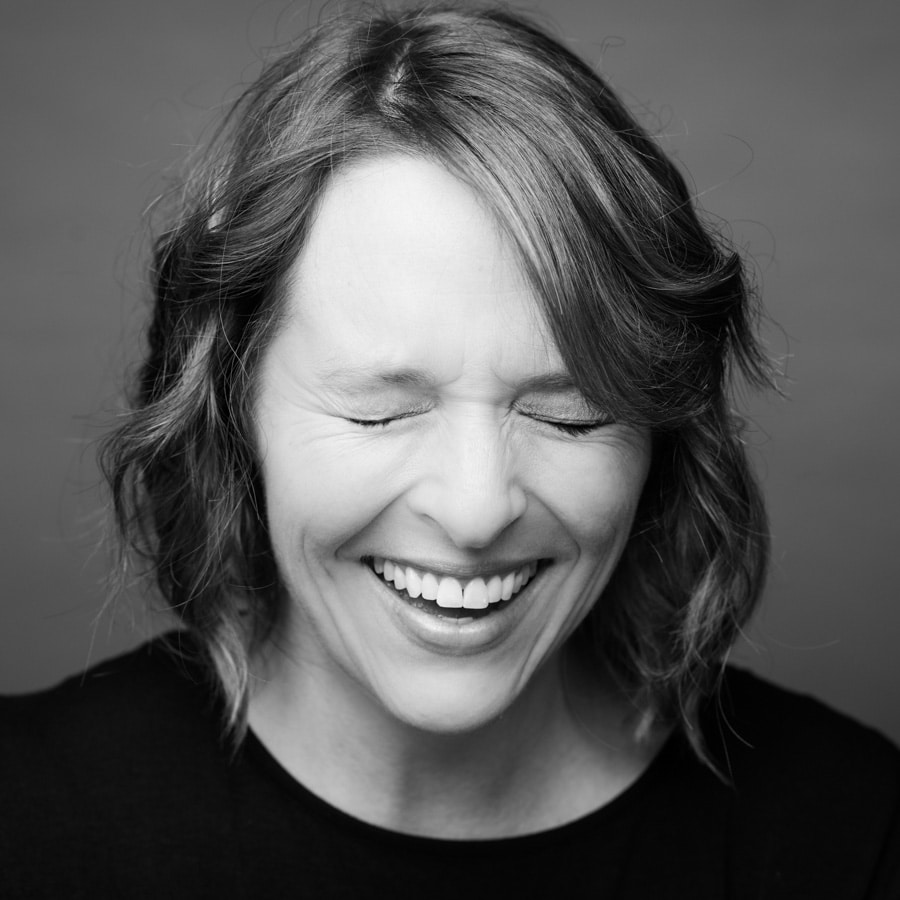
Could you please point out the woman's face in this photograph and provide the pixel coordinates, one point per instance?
(444, 506)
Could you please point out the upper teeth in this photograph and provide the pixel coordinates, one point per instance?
(447, 591)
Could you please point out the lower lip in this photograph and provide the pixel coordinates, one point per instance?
(457, 636)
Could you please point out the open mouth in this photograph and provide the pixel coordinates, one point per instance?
(458, 598)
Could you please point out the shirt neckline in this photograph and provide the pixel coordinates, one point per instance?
(606, 816)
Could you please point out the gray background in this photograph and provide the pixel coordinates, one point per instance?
(784, 113)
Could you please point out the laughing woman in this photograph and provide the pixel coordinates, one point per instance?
(432, 452)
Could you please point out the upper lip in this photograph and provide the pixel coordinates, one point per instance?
(461, 570)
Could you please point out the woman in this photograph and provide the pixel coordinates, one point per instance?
(433, 455)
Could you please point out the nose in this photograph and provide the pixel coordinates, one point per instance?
(469, 485)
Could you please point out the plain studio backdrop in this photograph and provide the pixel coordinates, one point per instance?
(785, 115)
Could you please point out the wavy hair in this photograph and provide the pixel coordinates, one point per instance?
(649, 308)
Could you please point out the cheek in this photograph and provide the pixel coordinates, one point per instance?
(595, 494)
(320, 491)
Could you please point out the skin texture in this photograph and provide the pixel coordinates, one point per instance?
(410, 408)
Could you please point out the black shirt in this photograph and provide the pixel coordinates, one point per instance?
(118, 784)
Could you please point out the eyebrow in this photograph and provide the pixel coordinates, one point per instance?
(365, 377)
(549, 383)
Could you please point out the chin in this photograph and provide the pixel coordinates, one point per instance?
(446, 704)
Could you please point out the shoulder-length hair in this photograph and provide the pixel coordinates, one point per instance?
(650, 311)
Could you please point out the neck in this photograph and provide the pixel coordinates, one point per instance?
(563, 749)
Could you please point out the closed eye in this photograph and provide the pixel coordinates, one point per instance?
(382, 422)
(571, 427)
(373, 423)
(574, 428)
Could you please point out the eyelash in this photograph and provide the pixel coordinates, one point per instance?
(375, 423)
(576, 428)
(571, 428)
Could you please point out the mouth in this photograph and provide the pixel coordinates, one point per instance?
(451, 597)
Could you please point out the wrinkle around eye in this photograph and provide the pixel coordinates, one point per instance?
(373, 421)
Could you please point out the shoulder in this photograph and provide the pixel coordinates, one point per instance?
(123, 700)
(762, 728)
(79, 758)
(116, 782)
(813, 790)
(142, 703)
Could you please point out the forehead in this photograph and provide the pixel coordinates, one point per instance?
(397, 220)
(402, 254)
